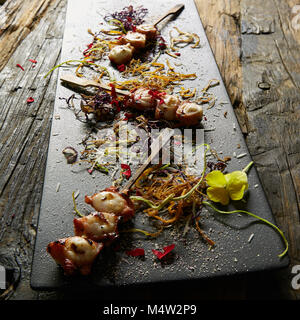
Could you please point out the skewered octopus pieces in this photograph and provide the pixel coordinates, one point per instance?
(111, 201)
(78, 253)
(135, 39)
(166, 106)
(189, 113)
(121, 54)
(148, 30)
(74, 254)
(97, 226)
(141, 99)
(167, 109)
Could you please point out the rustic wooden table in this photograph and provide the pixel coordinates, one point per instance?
(257, 48)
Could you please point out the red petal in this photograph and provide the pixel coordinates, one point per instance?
(127, 173)
(125, 166)
(136, 252)
(33, 61)
(30, 100)
(167, 249)
(121, 67)
(128, 115)
(113, 93)
(19, 66)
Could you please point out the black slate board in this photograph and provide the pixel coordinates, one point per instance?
(191, 259)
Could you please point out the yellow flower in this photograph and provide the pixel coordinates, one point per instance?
(223, 187)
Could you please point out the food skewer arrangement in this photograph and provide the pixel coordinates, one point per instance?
(175, 193)
(164, 106)
(99, 228)
(92, 232)
(122, 52)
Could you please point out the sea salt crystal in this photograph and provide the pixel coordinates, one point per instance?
(251, 237)
(241, 155)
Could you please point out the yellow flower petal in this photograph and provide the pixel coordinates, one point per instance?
(218, 195)
(216, 179)
(237, 183)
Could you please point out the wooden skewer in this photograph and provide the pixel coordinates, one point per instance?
(158, 144)
(174, 10)
(83, 82)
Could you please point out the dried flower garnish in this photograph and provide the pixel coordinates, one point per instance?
(127, 170)
(121, 67)
(127, 18)
(30, 100)
(157, 95)
(19, 66)
(137, 252)
(166, 250)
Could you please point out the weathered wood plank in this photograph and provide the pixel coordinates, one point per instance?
(249, 50)
(261, 57)
(271, 55)
(221, 21)
(24, 136)
(17, 19)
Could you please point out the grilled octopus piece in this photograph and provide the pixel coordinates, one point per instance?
(97, 226)
(142, 100)
(121, 54)
(148, 30)
(74, 254)
(135, 39)
(167, 110)
(189, 113)
(111, 201)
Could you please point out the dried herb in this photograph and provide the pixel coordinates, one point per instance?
(127, 18)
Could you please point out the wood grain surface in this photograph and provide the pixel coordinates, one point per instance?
(256, 45)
